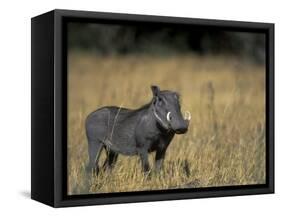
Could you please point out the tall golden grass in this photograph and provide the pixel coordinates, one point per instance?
(225, 144)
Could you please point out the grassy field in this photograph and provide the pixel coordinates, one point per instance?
(225, 144)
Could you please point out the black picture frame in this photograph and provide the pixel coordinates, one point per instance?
(49, 110)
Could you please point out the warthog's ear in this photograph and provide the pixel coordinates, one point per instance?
(155, 90)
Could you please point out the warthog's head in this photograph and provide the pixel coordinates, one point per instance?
(166, 108)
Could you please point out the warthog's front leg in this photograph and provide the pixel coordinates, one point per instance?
(159, 159)
(144, 161)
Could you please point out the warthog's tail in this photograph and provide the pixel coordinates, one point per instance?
(115, 120)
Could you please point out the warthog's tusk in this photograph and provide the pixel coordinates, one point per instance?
(168, 116)
(187, 115)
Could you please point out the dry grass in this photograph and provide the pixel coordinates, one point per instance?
(226, 141)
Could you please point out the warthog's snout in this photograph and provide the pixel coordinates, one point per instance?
(183, 127)
(181, 130)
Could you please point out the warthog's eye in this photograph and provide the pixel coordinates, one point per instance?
(169, 117)
(160, 101)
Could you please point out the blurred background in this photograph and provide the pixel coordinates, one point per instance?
(105, 39)
(220, 76)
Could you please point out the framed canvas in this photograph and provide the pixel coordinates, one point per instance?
(134, 108)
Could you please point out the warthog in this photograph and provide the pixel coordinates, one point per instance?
(135, 132)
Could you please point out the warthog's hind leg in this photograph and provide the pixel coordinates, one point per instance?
(110, 160)
(94, 154)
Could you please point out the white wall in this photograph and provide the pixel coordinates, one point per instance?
(15, 106)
